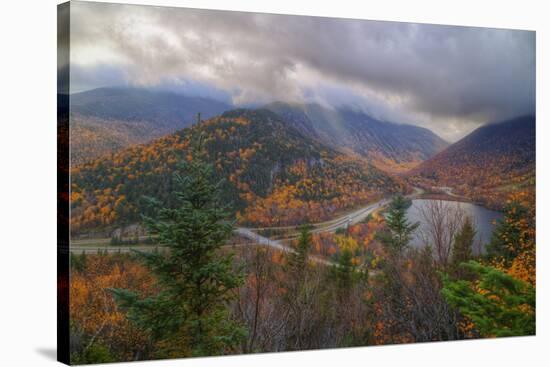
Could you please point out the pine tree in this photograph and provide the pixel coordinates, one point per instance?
(344, 271)
(188, 315)
(298, 297)
(513, 233)
(78, 262)
(462, 248)
(497, 303)
(297, 259)
(400, 231)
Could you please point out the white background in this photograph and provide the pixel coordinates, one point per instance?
(28, 183)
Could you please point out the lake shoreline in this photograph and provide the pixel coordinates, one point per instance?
(483, 218)
(457, 198)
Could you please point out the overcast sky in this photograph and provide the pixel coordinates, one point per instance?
(449, 79)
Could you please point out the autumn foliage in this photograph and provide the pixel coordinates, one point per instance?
(363, 283)
(486, 166)
(95, 318)
(272, 174)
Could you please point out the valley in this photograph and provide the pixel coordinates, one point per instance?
(271, 173)
(237, 183)
(95, 245)
(486, 166)
(285, 166)
(288, 180)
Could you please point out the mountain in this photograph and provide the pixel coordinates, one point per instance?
(274, 174)
(105, 120)
(166, 110)
(390, 146)
(92, 137)
(487, 165)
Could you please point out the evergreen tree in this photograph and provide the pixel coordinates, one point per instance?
(497, 303)
(296, 267)
(344, 270)
(462, 248)
(513, 233)
(300, 295)
(188, 315)
(297, 259)
(78, 262)
(96, 353)
(400, 231)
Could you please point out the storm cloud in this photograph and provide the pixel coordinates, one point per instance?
(449, 79)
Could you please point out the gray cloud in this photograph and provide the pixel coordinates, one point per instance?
(450, 79)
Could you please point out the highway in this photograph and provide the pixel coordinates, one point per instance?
(343, 221)
(103, 244)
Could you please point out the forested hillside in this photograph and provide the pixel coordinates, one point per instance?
(265, 183)
(104, 120)
(92, 137)
(272, 173)
(487, 165)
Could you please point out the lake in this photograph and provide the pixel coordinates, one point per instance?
(483, 220)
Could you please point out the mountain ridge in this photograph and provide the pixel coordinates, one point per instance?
(391, 146)
(486, 165)
(272, 173)
(109, 119)
(163, 108)
(105, 120)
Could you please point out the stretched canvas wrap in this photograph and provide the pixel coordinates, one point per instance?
(234, 183)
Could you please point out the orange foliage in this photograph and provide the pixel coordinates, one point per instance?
(319, 191)
(523, 266)
(93, 311)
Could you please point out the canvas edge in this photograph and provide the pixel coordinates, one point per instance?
(63, 181)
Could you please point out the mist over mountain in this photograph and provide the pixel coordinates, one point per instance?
(389, 145)
(447, 78)
(106, 120)
(244, 182)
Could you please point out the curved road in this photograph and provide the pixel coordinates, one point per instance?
(79, 246)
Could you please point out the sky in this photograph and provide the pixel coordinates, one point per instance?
(446, 78)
